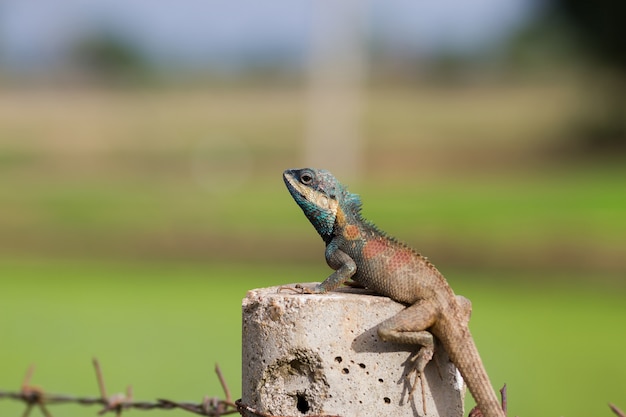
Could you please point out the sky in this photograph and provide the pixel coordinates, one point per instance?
(35, 33)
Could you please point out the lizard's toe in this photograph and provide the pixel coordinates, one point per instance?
(418, 363)
(296, 288)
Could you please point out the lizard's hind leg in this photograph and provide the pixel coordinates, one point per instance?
(409, 327)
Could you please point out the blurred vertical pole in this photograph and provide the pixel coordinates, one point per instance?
(336, 75)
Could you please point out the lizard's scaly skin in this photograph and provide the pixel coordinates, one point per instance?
(358, 250)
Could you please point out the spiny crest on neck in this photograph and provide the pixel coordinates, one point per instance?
(351, 202)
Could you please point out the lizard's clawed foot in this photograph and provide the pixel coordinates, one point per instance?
(297, 288)
(419, 362)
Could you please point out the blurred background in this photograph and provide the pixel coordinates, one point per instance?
(141, 152)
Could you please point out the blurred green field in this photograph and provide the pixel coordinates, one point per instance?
(469, 175)
(133, 222)
(162, 326)
(563, 219)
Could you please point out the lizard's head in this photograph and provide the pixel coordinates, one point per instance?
(319, 195)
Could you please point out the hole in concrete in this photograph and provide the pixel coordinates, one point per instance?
(299, 373)
(380, 380)
(345, 371)
(387, 400)
(298, 366)
(302, 403)
(362, 365)
(338, 359)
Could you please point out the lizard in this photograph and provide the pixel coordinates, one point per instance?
(359, 252)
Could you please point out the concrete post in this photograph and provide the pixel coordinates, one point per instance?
(320, 355)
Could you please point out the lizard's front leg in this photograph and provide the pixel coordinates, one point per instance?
(344, 267)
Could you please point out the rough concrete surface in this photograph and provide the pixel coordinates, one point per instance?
(311, 354)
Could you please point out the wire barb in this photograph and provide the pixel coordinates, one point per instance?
(616, 410)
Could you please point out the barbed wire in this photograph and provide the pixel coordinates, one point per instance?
(36, 397)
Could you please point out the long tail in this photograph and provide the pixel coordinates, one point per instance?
(462, 350)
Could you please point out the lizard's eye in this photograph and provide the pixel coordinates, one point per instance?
(306, 178)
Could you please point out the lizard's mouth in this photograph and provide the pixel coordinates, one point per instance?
(293, 185)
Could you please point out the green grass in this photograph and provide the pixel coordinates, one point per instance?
(568, 218)
(162, 326)
(169, 206)
(158, 326)
(582, 203)
(509, 204)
